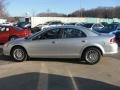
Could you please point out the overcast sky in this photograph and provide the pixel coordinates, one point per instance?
(20, 7)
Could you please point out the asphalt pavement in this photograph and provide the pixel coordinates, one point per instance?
(59, 74)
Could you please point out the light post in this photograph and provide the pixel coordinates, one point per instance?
(80, 8)
(48, 12)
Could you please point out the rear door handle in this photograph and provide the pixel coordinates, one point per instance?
(53, 42)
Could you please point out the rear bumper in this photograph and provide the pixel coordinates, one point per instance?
(112, 49)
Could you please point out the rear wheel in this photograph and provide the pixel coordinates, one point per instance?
(91, 55)
(19, 54)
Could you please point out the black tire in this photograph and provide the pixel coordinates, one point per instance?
(91, 55)
(12, 38)
(19, 54)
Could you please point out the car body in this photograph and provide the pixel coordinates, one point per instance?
(110, 28)
(62, 42)
(10, 32)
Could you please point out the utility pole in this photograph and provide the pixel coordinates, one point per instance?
(48, 11)
(80, 8)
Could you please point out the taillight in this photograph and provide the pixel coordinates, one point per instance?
(113, 40)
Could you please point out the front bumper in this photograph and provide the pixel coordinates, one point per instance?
(6, 50)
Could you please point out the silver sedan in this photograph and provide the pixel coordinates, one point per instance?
(62, 42)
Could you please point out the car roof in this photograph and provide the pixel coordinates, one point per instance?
(86, 30)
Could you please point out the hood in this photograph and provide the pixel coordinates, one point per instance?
(17, 41)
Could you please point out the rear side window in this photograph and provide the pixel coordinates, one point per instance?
(52, 34)
(73, 33)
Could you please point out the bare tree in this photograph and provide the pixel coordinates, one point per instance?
(51, 14)
(3, 13)
(100, 12)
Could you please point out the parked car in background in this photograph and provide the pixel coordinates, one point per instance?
(104, 23)
(62, 42)
(113, 28)
(92, 26)
(24, 25)
(11, 32)
(45, 25)
(7, 24)
(71, 23)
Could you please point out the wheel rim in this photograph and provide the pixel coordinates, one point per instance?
(92, 56)
(18, 54)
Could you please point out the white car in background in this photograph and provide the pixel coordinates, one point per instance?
(7, 24)
(91, 26)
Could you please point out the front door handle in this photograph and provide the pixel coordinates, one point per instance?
(83, 41)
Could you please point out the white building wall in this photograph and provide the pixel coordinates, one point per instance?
(3, 21)
(40, 20)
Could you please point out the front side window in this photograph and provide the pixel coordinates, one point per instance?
(73, 33)
(50, 34)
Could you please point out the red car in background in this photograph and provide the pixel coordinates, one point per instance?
(11, 32)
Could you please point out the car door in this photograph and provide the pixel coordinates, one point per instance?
(45, 44)
(4, 34)
(72, 43)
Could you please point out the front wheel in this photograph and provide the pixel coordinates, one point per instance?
(19, 54)
(91, 55)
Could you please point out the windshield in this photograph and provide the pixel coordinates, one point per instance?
(35, 34)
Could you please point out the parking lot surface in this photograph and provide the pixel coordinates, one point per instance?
(59, 74)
